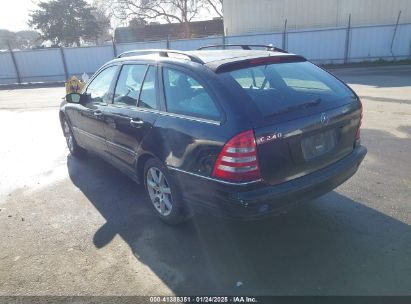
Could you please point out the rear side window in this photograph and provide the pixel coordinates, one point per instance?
(129, 84)
(148, 96)
(278, 88)
(185, 95)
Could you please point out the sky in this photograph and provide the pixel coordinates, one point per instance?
(14, 14)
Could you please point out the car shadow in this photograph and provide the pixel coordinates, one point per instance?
(333, 245)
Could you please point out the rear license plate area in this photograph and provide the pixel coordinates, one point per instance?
(319, 144)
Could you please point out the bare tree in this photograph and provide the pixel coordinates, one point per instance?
(178, 11)
(216, 6)
(171, 11)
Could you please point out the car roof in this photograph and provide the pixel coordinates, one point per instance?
(213, 59)
(225, 55)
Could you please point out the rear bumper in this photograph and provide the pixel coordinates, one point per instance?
(261, 199)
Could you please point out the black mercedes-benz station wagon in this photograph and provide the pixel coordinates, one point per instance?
(242, 131)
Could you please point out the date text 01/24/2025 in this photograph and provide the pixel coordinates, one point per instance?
(204, 299)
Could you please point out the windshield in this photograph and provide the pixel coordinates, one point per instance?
(281, 87)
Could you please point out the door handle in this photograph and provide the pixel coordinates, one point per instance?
(136, 123)
(98, 113)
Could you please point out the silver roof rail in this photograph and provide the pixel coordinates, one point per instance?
(162, 53)
(244, 47)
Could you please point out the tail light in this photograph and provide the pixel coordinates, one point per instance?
(358, 135)
(238, 160)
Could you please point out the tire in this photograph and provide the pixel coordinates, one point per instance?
(72, 145)
(163, 194)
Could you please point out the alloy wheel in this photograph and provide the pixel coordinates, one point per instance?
(159, 191)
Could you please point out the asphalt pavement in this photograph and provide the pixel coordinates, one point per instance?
(80, 227)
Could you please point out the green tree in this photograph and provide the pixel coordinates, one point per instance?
(19, 40)
(66, 22)
(28, 39)
(7, 38)
(104, 23)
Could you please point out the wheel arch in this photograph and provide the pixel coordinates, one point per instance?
(140, 164)
(62, 116)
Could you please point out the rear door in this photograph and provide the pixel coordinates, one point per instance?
(131, 116)
(307, 119)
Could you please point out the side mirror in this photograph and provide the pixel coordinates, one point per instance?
(73, 98)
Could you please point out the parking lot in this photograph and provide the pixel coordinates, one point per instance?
(70, 227)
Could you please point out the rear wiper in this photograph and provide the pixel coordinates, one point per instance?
(309, 104)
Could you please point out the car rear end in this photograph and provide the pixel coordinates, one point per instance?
(305, 139)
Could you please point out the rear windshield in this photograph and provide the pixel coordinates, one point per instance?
(282, 87)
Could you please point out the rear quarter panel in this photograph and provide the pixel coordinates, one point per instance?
(192, 144)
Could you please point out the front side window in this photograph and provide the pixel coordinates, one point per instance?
(277, 88)
(99, 88)
(148, 96)
(129, 84)
(185, 95)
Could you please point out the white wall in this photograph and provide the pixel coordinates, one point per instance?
(259, 16)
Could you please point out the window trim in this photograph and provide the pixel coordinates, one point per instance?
(181, 116)
(116, 82)
(202, 82)
(156, 87)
